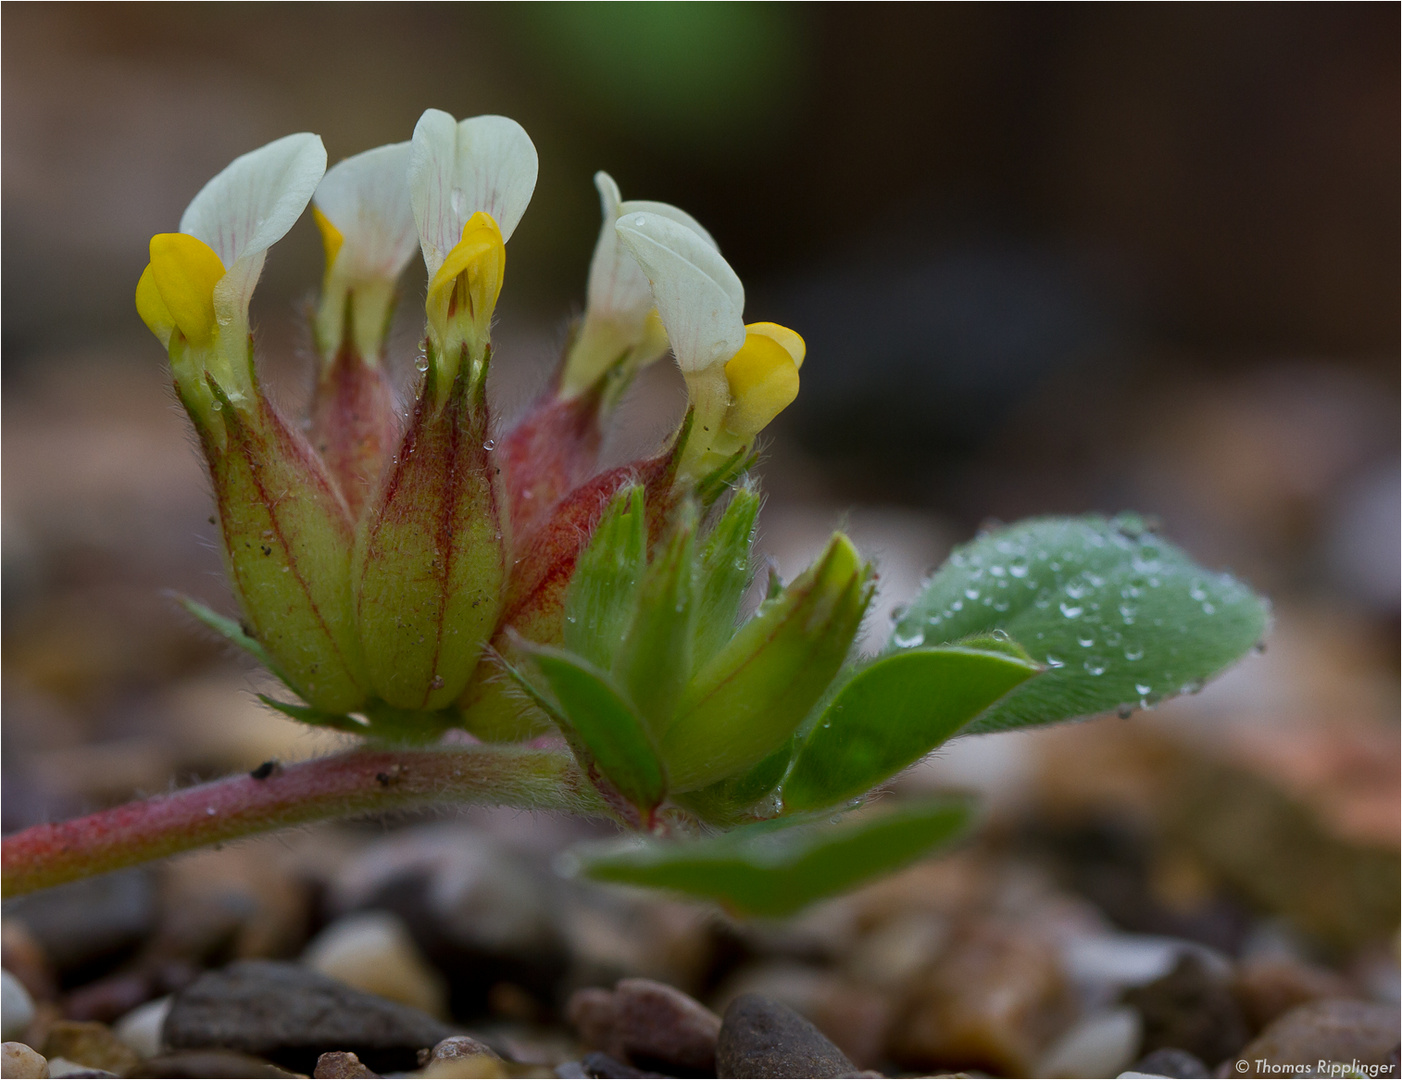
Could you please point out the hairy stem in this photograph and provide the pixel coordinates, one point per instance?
(360, 781)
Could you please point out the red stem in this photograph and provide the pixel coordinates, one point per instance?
(360, 781)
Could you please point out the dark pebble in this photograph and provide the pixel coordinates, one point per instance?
(759, 1037)
(88, 925)
(1190, 1009)
(292, 1015)
(659, 1026)
(209, 1064)
(339, 1065)
(1172, 1062)
(602, 1067)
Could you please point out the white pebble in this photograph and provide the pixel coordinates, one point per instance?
(1100, 1045)
(16, 1007)
(373, 951)
(22, 1062)
(141, 1028)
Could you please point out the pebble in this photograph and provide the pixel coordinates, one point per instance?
(22, 1062)
(108, 998)
(1331, 1030)
(341, 1065)
(994, 1002)
(76, 1070)
(90, 921)
(1100, 1045)
(1171, 1062)
(1191, 1008)
(211, 1065)
(291, 1015)
(141, 1028)
(1267, 987)
(593, 1013)
(16, 1007)
(656, 1023)
(89, 1044)
(759, 1037)
(374, 951)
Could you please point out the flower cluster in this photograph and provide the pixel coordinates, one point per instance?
(391, 565)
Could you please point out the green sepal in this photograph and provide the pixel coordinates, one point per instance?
(316, 717)
(754, 693)
(892, 713)
(774, 868)
(603, 729)
(736, 799)
(1120, 617)
(725, 573)
(231, 631)
(653, 661)
(602, 594)
(712, 486)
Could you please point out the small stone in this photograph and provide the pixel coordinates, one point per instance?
(456, 1047)
(1100, 1045)
(1331, 1030)
(292, 1015)
(141, 1028)
(1268, 987)
(1171, 1062)
(89, 921)
(599, 1066)
(340, 1065)
(659, 1024)
(211, 1065)
(759, 1037)
(993, 1002)
(16, 1007)
(594, 1015)
(1192, 1009)
(75, 1070)
(473, 1065)
(22, 1062)
(90, 1045)
(373, 951)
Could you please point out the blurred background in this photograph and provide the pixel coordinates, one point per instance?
(1047, 259)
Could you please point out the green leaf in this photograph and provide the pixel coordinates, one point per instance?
(1120, 617)
(306, 714)
(602, 592)
(725, 573)
(891, 714)
(774, 868)
(754, 693)
(230, 630)
(724, 803)
(601, 726)
(653, 663)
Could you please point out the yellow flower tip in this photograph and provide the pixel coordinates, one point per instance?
(763, 378)
(790, 340)
(182, 276)
(331, 238)
(469, 281)
(152, 308)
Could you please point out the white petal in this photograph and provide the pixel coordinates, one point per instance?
(698, 295)
(367, 198)
(456, 169)
(249, 207)
(618, 288)
(252, 204)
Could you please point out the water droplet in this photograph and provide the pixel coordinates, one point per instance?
(217, 406)
(897, 612)
(1000, 605)
(1094, 666)
(958, 605)
(1134, 652)
(997, 571)
(1075, 590)
(1259, 648)
(1193, 687)
(1018, 568)
(1143, 689)
(1197, 592)
(490, 444)
(1071, 611)
(907, 639)
(421, 363)
(640, 220)
(972, 594)
(1001, 635)
(1207, 608)
(1055, 661)
(1085, 642)
(1124, 712)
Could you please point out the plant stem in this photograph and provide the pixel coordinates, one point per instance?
(357, 782)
